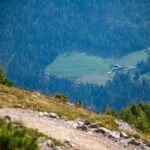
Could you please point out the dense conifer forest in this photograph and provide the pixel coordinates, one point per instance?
(33, 33)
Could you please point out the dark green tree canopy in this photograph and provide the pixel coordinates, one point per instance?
(3, 79)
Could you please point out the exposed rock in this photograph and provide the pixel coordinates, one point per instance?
(95, 125)
(41, 114)
(87, 122)
(102, 130)
(83, 127)
(123, 134)
(53, 115)
(72, 124)
(45, 114)
(114, 134)
(144, 147)
(43, 144)
(135, 142)
(80, 123)
(125, 126)
(69, 143)
(58, 148)
(50, 143)
(148, 144)
(90, 132)
(125, 142)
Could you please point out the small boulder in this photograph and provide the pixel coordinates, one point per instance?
(83, 127)
(102, 130)
(135, 142)
(50, 143)
(123, 135)
(45, 114)
(80, 123)
(148, 144)
(87, 122)
(72, 124)
(41, 114)
(144, 147)
(114, 134)
(90, 132)
(44, 144)
(69, 143)
(125, 142)
(53, 115)
(125, 126)
(95, 125)
(58, 148)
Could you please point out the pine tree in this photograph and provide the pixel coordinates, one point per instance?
(3, 79)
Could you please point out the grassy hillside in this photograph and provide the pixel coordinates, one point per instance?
(16, 98)
(86, 68)
(11, 97)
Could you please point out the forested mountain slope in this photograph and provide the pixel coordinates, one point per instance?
(33, 33)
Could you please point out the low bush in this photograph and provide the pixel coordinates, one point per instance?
(13, 137)
(3, 79)
(61, 97)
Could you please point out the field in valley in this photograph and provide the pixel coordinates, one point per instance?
(85, 68)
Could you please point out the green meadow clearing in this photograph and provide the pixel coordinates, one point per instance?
(87, 68)
(133, 58)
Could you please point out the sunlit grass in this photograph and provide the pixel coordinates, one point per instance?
(17, 98)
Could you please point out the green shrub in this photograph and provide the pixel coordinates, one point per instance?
(138, 115)
(12, 138)
(79, 103)
(111, 111)
(61, 97)
(3, 79)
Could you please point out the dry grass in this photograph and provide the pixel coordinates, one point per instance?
(18, 98)
(145, 136)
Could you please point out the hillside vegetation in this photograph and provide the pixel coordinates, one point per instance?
(33, 33)
(11, 138)
(18, 98)
(3, 79)
(136, 114)
(11, 97)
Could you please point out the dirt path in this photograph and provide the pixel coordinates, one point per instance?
(58, 129)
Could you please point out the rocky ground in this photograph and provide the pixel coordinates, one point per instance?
(78, 134)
